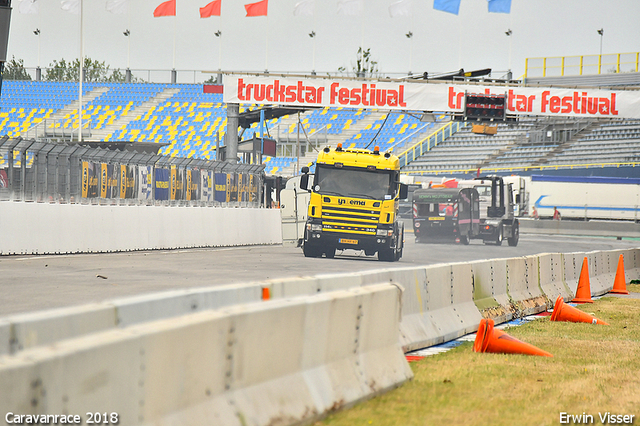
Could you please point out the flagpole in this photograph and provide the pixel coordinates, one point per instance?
(362, 30)
(81, 72)
(266, 55)
(175, 25)
(219, 49)
(411, 47)
(128, 41)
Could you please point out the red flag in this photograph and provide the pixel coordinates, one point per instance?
(168, 8)
(257, 9)
(212, 9)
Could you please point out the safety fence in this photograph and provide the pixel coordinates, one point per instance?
(39, 171)
(324, 342)
(614, 63)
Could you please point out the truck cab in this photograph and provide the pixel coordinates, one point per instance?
(354, 204)
(449, 214)
(497, 215)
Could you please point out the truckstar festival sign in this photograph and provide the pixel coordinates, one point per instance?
(427, 96)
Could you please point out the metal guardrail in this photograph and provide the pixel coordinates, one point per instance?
(554, 66)
(429, 142)
(40, 171)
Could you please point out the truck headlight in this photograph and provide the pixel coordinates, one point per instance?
(316, 227)
(381, 232)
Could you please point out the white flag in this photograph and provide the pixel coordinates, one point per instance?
(71, 6)
(400, 8)
(29, 7)
(350, 7)
(304, 8)
(118, 7)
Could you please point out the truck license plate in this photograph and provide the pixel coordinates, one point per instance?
(347, 241)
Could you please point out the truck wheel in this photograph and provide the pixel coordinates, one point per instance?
(331, 253)
(464, 239)
(387, 255)
(400, 243)
(311, 251)
(515, 234)
(499, 237)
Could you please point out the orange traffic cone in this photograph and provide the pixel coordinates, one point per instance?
(619, 283)
(490, 339)
(564, 312)
(583, 292)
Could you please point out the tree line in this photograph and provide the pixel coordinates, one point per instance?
(63, 70)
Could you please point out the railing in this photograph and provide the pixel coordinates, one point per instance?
(555, 132)
(185, 76)
(558, 66)
(521, 168)
(429, 142)
(49, 129)
(37, 171)
(404, 140)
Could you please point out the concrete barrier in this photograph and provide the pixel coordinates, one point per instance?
(76, 228)
(490, 290)
(282, 362)
(572, 263)
(46, 327)
(441, 302)
(551, 273)
(632, 264)
(5, 336)
(523, 285)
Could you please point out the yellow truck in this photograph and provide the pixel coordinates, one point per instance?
(354, 202)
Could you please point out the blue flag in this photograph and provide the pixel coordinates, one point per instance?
(451, 6)
(499, 6)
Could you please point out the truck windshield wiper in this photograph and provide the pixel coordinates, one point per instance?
(337, 194)
(363, 196)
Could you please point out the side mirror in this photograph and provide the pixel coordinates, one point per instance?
(304, 178)
(404, 191)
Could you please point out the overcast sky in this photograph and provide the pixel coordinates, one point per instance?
(441, 42)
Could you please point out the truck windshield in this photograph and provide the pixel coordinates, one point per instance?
(351, 182)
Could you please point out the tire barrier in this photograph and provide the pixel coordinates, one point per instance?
(90, 228)
(280, 362)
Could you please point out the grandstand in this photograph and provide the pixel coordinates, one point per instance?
(192, 123)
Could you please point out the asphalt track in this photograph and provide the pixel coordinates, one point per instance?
(31, 283)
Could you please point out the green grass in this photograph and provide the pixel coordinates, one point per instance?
(594, 369)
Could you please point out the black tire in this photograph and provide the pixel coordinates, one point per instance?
(464, 239)
(499, 237)
(331, 253)
(387, 255)
(400, 243)
(515, 234)
(311, 251)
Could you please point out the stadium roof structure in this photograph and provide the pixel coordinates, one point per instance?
(247, 118)
(140, 147)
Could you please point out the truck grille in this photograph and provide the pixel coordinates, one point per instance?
(350, 219)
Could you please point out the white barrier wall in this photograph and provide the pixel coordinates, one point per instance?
(209, 356)
(279, 362)
(440, 302)
(40, 228)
